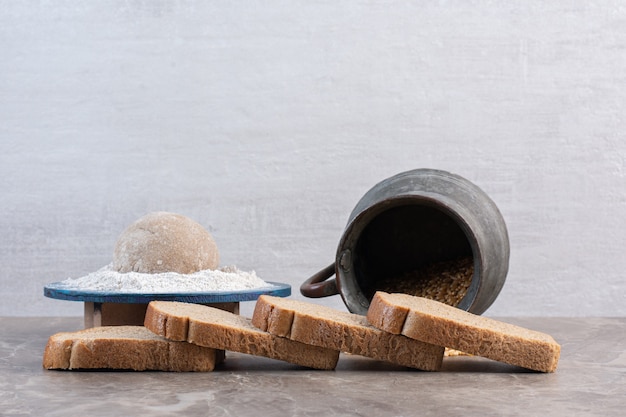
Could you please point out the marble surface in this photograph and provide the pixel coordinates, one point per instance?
(590, 380)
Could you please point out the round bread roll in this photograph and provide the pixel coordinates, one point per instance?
(165, 242)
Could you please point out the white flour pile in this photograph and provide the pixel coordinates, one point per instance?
(223, 279)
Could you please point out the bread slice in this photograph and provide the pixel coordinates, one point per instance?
(124, 348)
(211, 327)
(327, 327)
(440, 324)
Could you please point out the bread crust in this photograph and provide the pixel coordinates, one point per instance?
(211, 327)
(124, 348)
(437, 323)
(327, 327)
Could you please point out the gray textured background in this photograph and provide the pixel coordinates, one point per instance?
(267, 121)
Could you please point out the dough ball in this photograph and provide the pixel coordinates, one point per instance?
(165, 242)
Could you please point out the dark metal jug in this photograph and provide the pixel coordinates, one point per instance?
(412, 219)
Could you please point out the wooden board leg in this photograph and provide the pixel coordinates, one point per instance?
(114, 314)
(93, 314)
(232, 307)
(120, 314)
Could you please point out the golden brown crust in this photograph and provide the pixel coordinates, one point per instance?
(440, 324)
(272, 318)
(211, 327)
(326, 327)
(386, 317)
(57, 353)
(124, 348)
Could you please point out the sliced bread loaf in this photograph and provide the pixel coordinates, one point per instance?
(330, 328)
(124, 348)
(440, 324)
(211, 327)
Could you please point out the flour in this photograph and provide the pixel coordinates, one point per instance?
(220, 280)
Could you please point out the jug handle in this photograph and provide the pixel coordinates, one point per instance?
(319, 286)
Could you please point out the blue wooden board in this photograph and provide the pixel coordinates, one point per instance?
(60, 291)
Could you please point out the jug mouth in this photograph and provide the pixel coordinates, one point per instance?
(398, 236)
